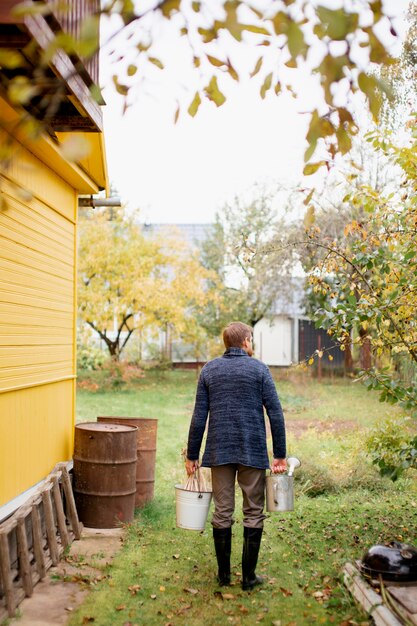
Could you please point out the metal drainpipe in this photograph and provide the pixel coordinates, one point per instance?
(97, 202)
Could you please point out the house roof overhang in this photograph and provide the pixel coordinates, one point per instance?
(87, 176)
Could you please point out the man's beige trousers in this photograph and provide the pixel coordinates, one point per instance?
(252, 483)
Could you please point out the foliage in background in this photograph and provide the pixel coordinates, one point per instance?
(375, 270)
(248, 285)
(128, 283)
(368, 281)
(325, 225)
(89, 357)
(391, 449)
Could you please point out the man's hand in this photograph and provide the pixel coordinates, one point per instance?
(191, 467)
(279, 466)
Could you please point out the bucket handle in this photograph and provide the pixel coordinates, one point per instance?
(200, 495)
(196, 476)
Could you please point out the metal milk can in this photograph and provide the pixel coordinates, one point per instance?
(280, 488)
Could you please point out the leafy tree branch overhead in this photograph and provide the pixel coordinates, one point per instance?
(338, 45)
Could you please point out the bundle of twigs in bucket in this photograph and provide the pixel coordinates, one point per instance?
(193, 502)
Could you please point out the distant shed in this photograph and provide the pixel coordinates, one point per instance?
(287, 336)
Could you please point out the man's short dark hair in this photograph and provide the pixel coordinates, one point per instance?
(235, 334)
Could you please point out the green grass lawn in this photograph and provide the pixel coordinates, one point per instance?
(166, 576)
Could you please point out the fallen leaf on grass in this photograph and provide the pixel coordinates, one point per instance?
(87, 619)
(182, 610)
(227, 596)
(161, 588)
(134, 589)
(176, 556)
(121, 607)
(192, 591)
(285, 592)
(276, 622)
(153, 596)
(320, 596)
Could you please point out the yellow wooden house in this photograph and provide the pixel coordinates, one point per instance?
(39, 189)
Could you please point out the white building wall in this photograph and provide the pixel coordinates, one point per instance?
(274, 341)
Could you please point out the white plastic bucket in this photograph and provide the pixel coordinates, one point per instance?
(192, 508)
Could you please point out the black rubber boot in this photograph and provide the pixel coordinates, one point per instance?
(251, 544)
(223, 545)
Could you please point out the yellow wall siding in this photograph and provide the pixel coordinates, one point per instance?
(36, 297)
(36, 431)
(49, 188)
(37, 323)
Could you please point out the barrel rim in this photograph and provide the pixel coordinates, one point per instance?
(125, 417)
(104, 426)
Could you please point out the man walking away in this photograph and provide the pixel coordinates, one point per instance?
(232, 392)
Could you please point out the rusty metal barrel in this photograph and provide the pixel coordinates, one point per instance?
(105, 473)
(146, 451)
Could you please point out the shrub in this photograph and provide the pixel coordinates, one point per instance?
(390, 448)
(89, 357)
(314, 480)
(361, 474)
(333, 464)
(118, 374)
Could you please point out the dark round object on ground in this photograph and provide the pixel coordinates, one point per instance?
(394, 562)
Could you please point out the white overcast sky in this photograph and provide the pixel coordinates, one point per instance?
(185, 172)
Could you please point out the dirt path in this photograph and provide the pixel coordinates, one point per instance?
(65, 587)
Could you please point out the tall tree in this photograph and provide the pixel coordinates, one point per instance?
(248, 281)
(128, 282)
(374, 274)
(332, 211)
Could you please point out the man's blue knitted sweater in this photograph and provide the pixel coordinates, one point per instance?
(233, 391)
